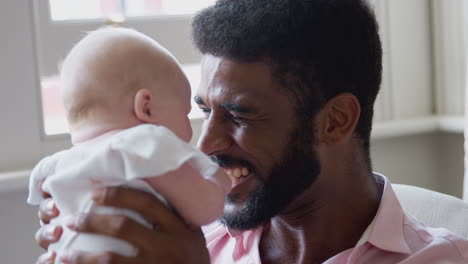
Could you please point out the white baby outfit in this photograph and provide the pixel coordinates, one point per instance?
(121, 159)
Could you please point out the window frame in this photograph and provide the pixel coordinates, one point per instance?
(160, 27)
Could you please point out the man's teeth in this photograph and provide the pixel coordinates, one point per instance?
(237, 173)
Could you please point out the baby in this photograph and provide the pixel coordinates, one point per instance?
(127, 102)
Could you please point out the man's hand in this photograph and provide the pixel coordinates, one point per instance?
(171, 240)
(48, 233)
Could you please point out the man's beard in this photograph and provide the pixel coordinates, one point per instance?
(289, 177)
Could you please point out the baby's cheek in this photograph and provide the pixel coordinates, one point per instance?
(184, 130)
(189, 131)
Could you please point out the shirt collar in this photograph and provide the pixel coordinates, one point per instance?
(386, 230)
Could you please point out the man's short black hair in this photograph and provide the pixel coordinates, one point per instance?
(318, 48)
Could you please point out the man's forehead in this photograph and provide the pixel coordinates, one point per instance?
(215, 69)
(221, 65)
(228, 83)
(240, 76)
(209, 60)
(210, 65)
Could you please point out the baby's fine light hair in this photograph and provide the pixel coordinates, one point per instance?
(105, 66)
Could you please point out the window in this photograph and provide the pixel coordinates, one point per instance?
(61, 23)
(93, 9)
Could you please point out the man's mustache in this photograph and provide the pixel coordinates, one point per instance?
(227, 161)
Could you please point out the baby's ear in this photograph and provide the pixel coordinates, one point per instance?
(143, 101)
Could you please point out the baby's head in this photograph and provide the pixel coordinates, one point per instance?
(116, 78)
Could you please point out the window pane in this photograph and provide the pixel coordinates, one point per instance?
(83, 9)
(52, 107)
(93, 9)
(54, 114)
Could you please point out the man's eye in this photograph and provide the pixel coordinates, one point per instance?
(237, 118)
(206, 112)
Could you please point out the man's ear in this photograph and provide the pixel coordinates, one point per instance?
(340, 117)
(142, 107)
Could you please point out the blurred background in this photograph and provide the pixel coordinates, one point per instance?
(419, 121)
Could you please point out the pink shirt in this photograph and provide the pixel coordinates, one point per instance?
(392, 237)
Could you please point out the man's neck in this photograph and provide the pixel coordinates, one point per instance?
(322, 222)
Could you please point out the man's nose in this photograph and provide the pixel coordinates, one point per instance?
(215, 137)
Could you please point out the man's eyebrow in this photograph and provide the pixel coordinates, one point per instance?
(198, 100)
(227, 106)
(237, 108)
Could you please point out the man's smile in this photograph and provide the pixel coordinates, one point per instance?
(237, 174)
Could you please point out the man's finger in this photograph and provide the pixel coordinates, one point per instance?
(46, 258)
(47, 210)
(118, 226)
(44, 194)
(88, 258)
(48, 234)
(152, 209)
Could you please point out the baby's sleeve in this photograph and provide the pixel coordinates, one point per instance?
(190, 181)
(149, 150)
(44, 168)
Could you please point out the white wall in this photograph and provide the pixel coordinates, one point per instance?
(19, 223)
(19, 111)
(450, 171)
(431, 160)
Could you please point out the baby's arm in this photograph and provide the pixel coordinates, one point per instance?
(198, 200)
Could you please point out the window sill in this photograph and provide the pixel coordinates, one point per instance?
(17, 180)
(398, 128)
(12, 181)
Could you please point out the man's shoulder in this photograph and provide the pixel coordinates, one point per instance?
(425, 239)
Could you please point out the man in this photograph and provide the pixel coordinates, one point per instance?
(288, 89)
